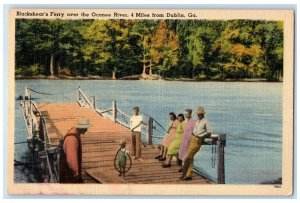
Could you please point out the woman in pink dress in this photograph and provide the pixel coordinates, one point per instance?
(189, 127)
(170, 136)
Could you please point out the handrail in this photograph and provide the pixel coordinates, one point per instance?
(105, 111)
(29, 132)
(84, 97)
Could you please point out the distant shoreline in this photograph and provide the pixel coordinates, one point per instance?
(136, 77)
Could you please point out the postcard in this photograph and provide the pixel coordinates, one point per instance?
(150, 102)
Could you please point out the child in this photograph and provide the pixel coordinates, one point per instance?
(122, 157)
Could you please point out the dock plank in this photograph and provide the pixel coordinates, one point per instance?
(100, 144)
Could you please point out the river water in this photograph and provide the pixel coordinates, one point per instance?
(249, 113)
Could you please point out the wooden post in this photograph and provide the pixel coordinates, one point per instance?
(26, 94)
(114, 111)
(221, 142)
(79, 96)
(94, 102)
(150, 130)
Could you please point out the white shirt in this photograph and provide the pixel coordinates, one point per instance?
(202, 128)
(134, 121)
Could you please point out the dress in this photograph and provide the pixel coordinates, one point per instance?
(174, 146)
(188, 130)
(171, 135)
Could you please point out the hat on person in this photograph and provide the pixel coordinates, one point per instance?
(200, 110)
(83, 123)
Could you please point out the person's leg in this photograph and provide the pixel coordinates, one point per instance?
(133, 144)
(161, 150)
(123, 171)
(138, 145)
(195, 147)
(179, 162)
(165, 152)
(120, 167)
(169, 159)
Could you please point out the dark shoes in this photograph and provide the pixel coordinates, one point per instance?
(158, 157)
(185, 178)
(161, 159)
(166, 165)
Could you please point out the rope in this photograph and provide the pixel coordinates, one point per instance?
(154, 121)
(44, 93)
(25, 142)
(39, 92)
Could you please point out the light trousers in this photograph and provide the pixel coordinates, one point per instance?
(194, 146)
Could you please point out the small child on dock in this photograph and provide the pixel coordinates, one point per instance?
(122, 156)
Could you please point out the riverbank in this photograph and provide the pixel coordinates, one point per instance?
(138, 77)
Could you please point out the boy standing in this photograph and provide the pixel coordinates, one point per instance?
(123, 154)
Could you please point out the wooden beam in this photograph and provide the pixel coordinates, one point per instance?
(221, 142)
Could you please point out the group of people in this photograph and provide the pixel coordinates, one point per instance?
(183, 140)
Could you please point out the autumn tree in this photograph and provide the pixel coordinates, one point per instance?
(164, 51)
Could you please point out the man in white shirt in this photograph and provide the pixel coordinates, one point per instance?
(136, 122)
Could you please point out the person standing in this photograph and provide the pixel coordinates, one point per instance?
(123, 155)
(71, 157)
(136, 122)
(201, 130)
(188, 130)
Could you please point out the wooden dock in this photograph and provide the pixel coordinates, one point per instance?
(47, 123)
(100, 144)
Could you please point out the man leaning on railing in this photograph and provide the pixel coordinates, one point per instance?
(201, 130)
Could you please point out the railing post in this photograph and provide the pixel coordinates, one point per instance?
(26, 94)
(79, 96)
(114, 111)
(150, 130)
(221, 142)
(94, 102)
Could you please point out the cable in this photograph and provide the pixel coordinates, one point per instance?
(44, 93)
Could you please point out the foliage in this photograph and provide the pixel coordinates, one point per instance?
(199, 49)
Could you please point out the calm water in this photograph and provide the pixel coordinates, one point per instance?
(249, 113)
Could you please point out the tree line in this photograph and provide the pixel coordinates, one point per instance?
(198, 49)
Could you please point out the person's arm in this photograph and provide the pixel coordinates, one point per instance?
(127, 153)
(70, 148)
(130, 123)
(207, 133)
(140, 123)
(173, 125)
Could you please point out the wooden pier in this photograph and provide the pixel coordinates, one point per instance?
(101, 142)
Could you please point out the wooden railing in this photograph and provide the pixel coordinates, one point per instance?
(37, 137)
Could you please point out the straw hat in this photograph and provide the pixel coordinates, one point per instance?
(83, 123)
(200, 110)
